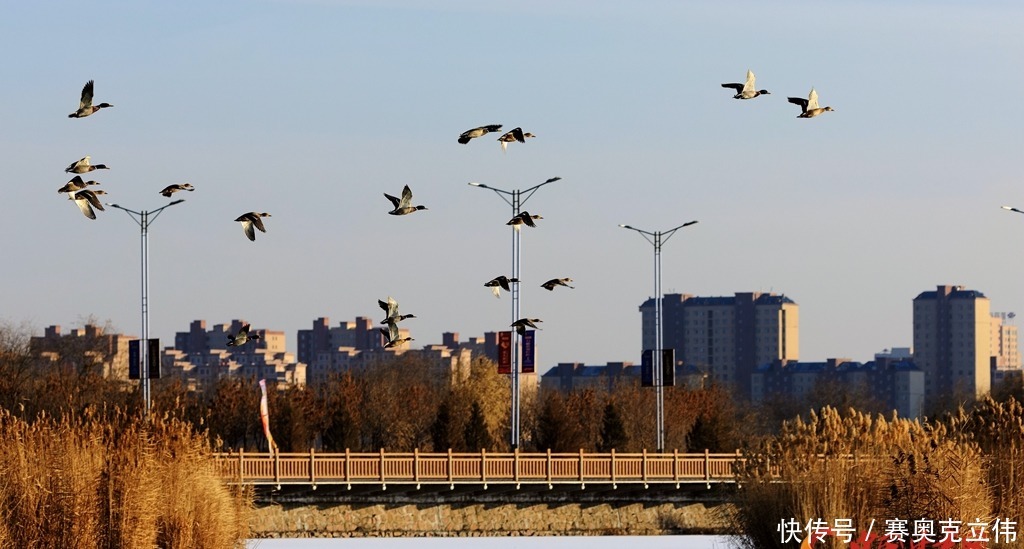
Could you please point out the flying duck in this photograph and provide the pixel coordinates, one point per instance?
(523, 219)
(171, 189)
(809, 107)
(746, 90)
(76, 184)
(515, 134)
(393, 336)
(250, 220)
(550, 285)
(477, 132)
(86, 200)
(83, 166)
(85, 106)
(242, 337)
(404, 205)
(499, 283)
(391, 310)
(521, 324)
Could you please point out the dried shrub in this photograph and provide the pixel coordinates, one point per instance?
(861, 468)
(120, 481)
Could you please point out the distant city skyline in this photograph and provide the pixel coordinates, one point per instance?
(311, 110)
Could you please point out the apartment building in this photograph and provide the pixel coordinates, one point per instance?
(84, 348)
(576, 376)
(952, 345)
(200, 356)
(726, 337)
(895, 383)
(361, 334)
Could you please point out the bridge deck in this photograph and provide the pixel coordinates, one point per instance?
(450, 468)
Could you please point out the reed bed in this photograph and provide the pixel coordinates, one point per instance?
(120, 482)
(861, 468)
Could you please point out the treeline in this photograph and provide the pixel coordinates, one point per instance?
(403, 404)
(399, 405)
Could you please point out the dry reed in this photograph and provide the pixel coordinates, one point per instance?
(862, 468)
(121, 482)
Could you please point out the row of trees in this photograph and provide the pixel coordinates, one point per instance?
(400, 405)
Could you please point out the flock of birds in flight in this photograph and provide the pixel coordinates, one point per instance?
(808, 107)
(88, 201)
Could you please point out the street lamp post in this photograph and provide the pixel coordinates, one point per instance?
(518, 198)
(144, 218)
(657, 238)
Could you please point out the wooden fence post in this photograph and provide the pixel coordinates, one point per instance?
(348, 478)
(483, 467)
(675, 466)
(515, 465)
(707, 467)
(312, 469)
(451, 473)
(643, 467)
(612, 467)
(416, 466)
(547, 468)
(277, 469)
(581, 467)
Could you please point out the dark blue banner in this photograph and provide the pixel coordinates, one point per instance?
(528, 352)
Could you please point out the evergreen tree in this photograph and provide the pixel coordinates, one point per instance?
(440, 430)
(340, 432)
(705, 434)
(613, 432)
(477, 436)
(548, 429)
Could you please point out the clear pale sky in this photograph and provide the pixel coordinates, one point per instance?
(310, 110)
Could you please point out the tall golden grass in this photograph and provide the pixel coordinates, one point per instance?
(120, 482)
(863, 468)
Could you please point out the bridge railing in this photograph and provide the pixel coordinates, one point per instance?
(452, 468)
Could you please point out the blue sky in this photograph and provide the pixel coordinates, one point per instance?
(310, 110)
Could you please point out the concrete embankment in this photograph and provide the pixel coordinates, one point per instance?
(488, 518)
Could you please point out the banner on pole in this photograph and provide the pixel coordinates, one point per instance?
(668, 367)
(528, 351)
(135, 359)
(265, 416)
(504, 352)
(647, 368)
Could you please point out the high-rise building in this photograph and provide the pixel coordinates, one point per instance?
(952, 338)
(727, 338)
(1003, 342)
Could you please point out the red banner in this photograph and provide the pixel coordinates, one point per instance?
(504, 352)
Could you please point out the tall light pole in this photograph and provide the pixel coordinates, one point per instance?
(518, 198)
(144, 218)
(657, 238)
